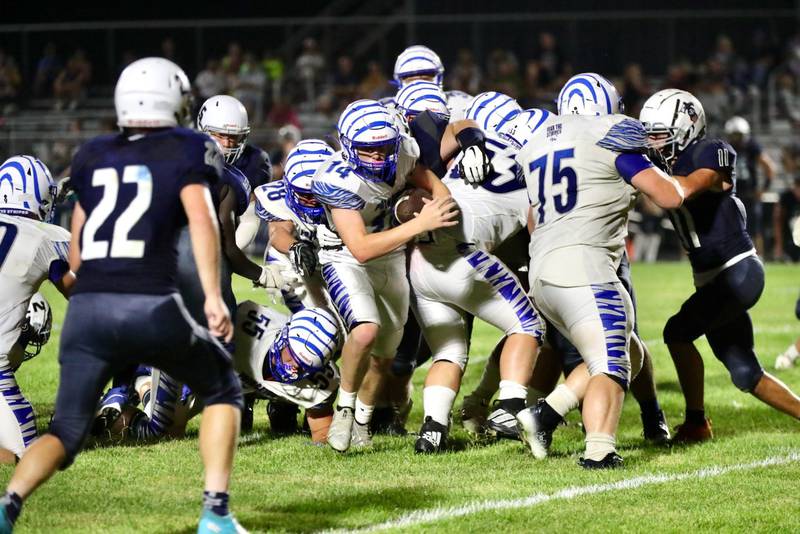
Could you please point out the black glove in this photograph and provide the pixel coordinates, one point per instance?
(303, 258)
(658, 159)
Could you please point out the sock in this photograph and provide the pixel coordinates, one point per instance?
(534, 395)
(549, 417)
(562, 400)
(346, 400)
(490, 379)
(437, 402)
(363, 412)
(696, 417)
(512, 390)
(12, 504)
(598, 445)
(791, 352)
(216, 501)
(650, 408)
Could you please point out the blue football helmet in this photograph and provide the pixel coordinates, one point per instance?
(416, 61)
(418, 96)
(491, 110)
(367, 125)
(27, 188)
(301, 164)
(311, 337)
(589, 94)
(518, 130)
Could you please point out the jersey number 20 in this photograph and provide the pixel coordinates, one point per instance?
(121, 246)
(558, 174)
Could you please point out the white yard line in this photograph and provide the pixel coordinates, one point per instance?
(419, 517)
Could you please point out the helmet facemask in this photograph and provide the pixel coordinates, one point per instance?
(293, 370)
(304, 203)
(375, 169)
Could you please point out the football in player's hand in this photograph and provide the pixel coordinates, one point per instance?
(410, 203)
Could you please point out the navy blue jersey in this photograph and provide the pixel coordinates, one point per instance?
(428, 129)
(238, 184)
(748, 181)
(711, 225)
(255, 165)
(130, 188)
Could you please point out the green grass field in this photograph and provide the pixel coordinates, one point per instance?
(286, 484)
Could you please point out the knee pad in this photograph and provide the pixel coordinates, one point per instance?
(676, 331)
(745, 375)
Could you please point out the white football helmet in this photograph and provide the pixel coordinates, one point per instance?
(457, 103)
(38, 325)
(418, 60)
(589, 94)
(518, 130)
(368, 124)
(152, 93)
(418, 96)
(673, 119)
(301, 164)
(737, 125)
(26, 187)
(491, 110)
(312, 337)
(223, 114)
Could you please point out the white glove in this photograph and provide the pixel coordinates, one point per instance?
(271, 277)
(474, 165)
(327, 238)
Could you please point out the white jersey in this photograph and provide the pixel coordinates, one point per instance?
(271, 206)
(580, 203)
(336, 186)
(493, 211)
(457, 103)
(31, 251)
(257, 328)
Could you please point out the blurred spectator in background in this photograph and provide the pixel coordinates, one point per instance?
(250, 87)
(10, 83)
(635, 89)
(465, 75)
(288, 137)
(274, 69)
(783, 217)
(550, 60)
(233, 60)
(282, 112)
(713, 93)
(787, 99)
(647, 240)
(755, 171)
(344, 82)
(374, 84)
(71, 83)
(168, 51)
(680, 76)
(128, 57)
(47, 69)
(507, 79)
(210, 81)
(310, 68)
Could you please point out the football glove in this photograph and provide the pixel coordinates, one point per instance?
(474, 165)
(327, 238)
(303, 258)
(271, 277)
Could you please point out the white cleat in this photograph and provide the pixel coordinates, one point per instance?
(785, 361)
(341, 429)
(530, 430)
(360, 438)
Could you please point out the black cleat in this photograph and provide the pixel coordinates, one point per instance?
(503, 419)
(533, 431)
(612, 460)
(247, 413)
(432, 437)
(282, 417)
(655, 428)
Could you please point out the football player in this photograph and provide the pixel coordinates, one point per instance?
(582, 173)
(366, 276)
(31, 251)
(728, 276)
(453, 272)
(135, 189)
(225, 119)
(419, 62)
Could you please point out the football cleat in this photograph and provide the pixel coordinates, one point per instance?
(533, 432)
(432, 437)
(341, 429)
(282, 417)
(6, 526)
(503, 420)
(612, 460)
(692, 432)
(211, 523)
(788, 359)
(360, 437)
(247, 413)
(111, 406)
(473, 414)
(655, 429)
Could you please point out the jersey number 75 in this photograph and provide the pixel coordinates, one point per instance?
(549, 173)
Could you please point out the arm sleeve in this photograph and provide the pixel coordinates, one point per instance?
(628, 135)
(630, 164)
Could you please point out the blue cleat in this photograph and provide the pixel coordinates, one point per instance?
(6, 526)
(211, 523)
